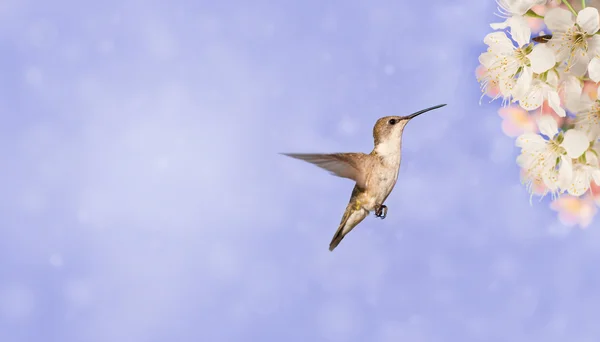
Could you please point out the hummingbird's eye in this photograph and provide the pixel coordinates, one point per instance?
(392, 121)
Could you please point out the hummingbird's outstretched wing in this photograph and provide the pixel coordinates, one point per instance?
(346, 165)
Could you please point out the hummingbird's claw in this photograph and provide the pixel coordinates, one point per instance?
(381, 211)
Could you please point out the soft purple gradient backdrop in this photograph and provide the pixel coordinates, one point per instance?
(143, 198)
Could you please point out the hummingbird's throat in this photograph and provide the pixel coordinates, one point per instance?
(389, 150)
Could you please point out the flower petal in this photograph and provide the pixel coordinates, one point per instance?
(580, 104)
(575, 143)
(559, 19)
(523, 83)
(517, 7)
(542, 58)
(506, 86)
(487, 59)
(522, 160)
(531, 142)
(579, 183)
(593, 45)
(596, 176)
(550, 179)
(572, 90)
(519, 30)
(591, 159)
(494, 38)
(499, 42)
(594, 69)
(565, 172)
(500, 26)
(554, 103)
(579, 63)
(589, 20)
(590, 89)
(533, 99)
(552, 79)
(561, 49)
(548, 126)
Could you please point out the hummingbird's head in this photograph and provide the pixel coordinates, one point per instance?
(390, 128)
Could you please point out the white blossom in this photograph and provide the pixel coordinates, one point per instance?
(571, 87)
(585, 170)
(587, 115)
(541, 88)
(562, 153)
(574, 40)
(550, 159)
(511, 67)
(513, 11)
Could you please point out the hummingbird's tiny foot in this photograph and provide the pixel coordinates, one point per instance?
(381, 211)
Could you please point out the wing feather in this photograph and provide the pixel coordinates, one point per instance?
(345, 165)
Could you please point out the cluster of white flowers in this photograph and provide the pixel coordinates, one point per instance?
(549, 69)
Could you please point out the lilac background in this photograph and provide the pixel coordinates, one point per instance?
(143, 199)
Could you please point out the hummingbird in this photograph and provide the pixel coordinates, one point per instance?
(375, 173)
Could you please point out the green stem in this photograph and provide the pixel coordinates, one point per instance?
(582, 4)
(532, 14)
(566, 2)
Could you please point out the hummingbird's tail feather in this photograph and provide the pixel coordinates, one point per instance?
(351, 218)
(336, 241)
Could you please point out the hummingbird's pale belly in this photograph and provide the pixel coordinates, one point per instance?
(380, 185)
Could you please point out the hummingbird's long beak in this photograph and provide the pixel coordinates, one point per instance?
(408, 117)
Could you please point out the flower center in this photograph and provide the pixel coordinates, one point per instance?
(578, 38)
(521, 56)
(590, 118)
(553, 145)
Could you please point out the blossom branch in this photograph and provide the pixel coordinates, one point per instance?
(566, 2)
